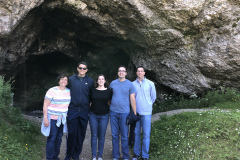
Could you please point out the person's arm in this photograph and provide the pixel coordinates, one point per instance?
(111, 93)
(45, 108)
(153, 93)
(133, 102)
(90, 96)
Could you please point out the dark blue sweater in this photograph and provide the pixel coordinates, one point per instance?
(80, 92)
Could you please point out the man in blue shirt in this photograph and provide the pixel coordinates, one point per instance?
(145, 97)
(123, 95)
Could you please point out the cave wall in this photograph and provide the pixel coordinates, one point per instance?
(186, 46)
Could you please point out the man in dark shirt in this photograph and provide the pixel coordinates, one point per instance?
(78, 110)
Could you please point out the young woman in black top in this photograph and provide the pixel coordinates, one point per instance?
(99, 115)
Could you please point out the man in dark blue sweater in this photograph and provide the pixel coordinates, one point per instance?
(78, 110)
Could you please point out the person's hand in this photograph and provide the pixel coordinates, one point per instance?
(46, 122)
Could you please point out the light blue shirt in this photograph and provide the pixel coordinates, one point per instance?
(145, 96)
(120, 102)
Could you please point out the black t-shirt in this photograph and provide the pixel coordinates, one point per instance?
(99, 99)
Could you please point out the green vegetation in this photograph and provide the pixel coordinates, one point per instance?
(197, 135)
(19, 138)
(234, 25)
(188, 33)
(211, 99)
(212, 134)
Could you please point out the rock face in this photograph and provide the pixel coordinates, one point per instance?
(188, 46)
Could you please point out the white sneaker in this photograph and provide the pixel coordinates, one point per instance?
(100, 158)
(94, 158)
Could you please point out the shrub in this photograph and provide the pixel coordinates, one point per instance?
(5, 95)
(19, 138)
(172, 102)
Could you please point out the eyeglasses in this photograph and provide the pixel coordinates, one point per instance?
(121, 71)
(82, 68)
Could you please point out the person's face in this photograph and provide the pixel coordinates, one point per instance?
(63, 82)
(122, 72)
(140, 73)
(101, 81)
(82, 70)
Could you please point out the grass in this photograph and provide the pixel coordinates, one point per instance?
(16, 144)
(197, 135)
(207, 135)
(19, 138)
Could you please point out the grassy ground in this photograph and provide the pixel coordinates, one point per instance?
(213, 134)
(197, 135)
(17, 143)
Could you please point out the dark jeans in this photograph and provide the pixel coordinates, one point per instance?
(54, 141)
(77, 127)
(98, 125)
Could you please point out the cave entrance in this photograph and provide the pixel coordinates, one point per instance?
(36, 76)
(57, 39)
(39, 72)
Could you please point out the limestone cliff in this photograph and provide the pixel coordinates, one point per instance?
(188, 46)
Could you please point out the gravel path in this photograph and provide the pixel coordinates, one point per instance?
(107, 153)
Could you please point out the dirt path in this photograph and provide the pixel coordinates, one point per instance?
(107, 153)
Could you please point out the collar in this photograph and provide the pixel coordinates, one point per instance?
(144, 79)
(77, 76)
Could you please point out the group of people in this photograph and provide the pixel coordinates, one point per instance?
(76, 100)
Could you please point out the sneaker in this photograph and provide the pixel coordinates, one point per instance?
(94, 158)
(100, 158)
(145, 158)
(136, 157)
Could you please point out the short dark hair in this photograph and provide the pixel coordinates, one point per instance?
(84, 63)
(123, 67)
(105, 84)
(61, 76)
(141, 67)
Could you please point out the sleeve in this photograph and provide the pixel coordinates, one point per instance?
(49, 95)
(132, 89)
(110, 86)
(153, 92)
(92, 84)
(111, 93)
(90, 94)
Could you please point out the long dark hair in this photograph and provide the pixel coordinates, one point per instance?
(105, 84)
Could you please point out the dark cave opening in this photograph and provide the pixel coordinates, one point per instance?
(36, 76)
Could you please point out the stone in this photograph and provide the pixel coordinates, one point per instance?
(186, 46)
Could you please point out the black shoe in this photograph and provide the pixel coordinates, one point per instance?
(145, 158)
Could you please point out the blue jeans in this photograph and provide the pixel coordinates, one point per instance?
(119, 126)
(54, 141)
(145, 125)
(98, 125)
